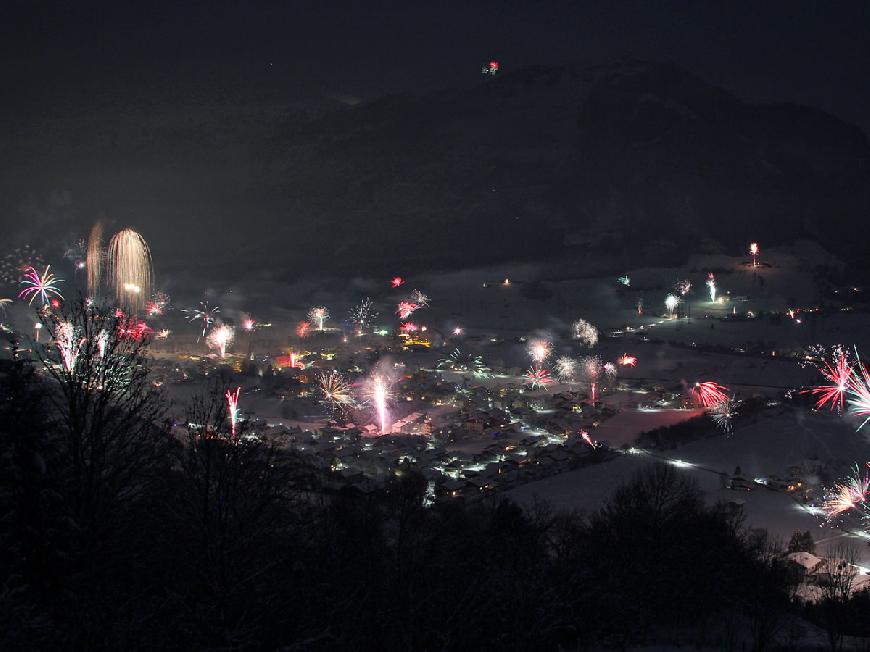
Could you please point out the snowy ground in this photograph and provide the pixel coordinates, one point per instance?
(762, 448)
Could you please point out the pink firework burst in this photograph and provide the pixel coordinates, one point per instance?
(838, 371)
(133, 329)
(40, 285)
(709, 393)
(628, 360)
(405, 309)
(538, 377)
(852, 493)
(396, 281)
(409, 327)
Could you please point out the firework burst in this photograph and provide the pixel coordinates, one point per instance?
(129, 261)
(852, 493)
(205, 314)
(585, 333)
(303, 328)
(539, 350)
(461, 362)
(420, 299)
(566, 369)
(671, 303)
(709, 393)
(723, 414)
(839, 372)
(711, 287)
(335, 390)
(318, 314)
(405, 309)
(69, 344)
(626, 360)
(538, 377)
(591, 368)
(624, 280)
(754, 251)
(220, 338)
(683, 287)
(859, 391)
(39, 285)
(363, 314)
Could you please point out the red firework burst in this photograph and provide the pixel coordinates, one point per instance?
(710, 393)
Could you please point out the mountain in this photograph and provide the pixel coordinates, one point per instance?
(636, 157)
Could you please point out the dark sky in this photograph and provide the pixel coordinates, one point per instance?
(56, 56)
(164, 115)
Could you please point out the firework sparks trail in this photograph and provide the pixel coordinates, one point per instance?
(586, 333)
(379, 394)
(566, 368)
(851, 493)
(36, 328)
(754, 251)
(95, 259)
(204, 314)
(39, 285)
(130, 268)
(839, 371)
(709, 393)
(711, 287)
(232, 397)
(220, 338)
(539, 350)
(318, 314)
(592, 367)
(639, 306)
(723, 414)
(671, 303)
(585, 436)
(405, 309)
(336, 391)
(538, 377)
(627, 360)
(68, 344)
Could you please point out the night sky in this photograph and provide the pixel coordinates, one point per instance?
(69, 67)
(55, 54)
